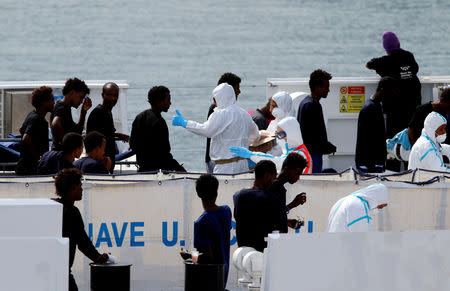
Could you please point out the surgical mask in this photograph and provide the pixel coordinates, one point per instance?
(278, 113)
(441, 138)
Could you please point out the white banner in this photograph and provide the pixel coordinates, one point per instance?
(145, 219)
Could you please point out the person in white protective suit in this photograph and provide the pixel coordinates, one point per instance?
(281, 106)
(289, 139)
(229, 125)
(354, 213)
(427, 151)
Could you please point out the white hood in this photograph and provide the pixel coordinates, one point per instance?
(224, 95)
(375, 194)
(284, 102)
(426, 153)
(433, 121)
(292, 128)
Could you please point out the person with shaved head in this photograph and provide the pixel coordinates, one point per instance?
(101, 120)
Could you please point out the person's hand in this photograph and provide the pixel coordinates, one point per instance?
(178, 120)
(123, 137)
(108, 163)
(103, 258)
(300, 199)
(331, 148)
(185, 254)
(87, 104)
(241, 152)
(294, 223)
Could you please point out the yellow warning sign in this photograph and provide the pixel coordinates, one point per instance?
(351, 98)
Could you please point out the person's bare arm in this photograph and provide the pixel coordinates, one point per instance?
(122, 136)
(300, 199)
(87, 104)
(206, 256)
(57, 130)
(411, 137)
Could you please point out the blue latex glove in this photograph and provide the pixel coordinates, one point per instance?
(241, 152)
(178, 120)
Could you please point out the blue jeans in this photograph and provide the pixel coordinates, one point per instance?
(317, 163)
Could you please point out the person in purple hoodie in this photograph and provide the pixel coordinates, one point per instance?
(402, 66)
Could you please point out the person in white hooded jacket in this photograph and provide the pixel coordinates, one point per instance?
(289, 140)
(426, 152)
(229, 125)
(354, 213)
(280, 106)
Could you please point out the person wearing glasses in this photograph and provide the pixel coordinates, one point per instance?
(288, 140)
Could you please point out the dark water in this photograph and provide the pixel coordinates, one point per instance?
(187, 45)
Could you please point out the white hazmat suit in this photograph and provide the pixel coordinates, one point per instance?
(229, 125)
(284, 103)
(426, 153)
(353, 213)
(294, 143)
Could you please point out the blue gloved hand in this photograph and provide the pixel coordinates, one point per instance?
(241, 152)
(178, 120)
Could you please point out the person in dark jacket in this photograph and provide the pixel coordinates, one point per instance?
(69, 189)
(402, 66)
(54, 161)
(34, 131)
(150, 136)
(234, 81)
(370, 155)
(101, 120)
(312, 123)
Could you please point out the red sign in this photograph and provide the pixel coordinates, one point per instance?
(356, 90)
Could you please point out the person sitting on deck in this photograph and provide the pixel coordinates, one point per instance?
(34, 131)
(54, 161)
(95, 161)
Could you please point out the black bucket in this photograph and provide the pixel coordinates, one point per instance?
(110, 277)
(210, 277)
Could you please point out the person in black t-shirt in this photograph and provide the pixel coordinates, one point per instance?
(402, 66)
(234, 81)
(95, 161)
(441, 106)
(101, 120)
(34, 131)
(74, 92)
(69, 189)
(54, 161)
(257, 211)
(292, 168)
(149, 137)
